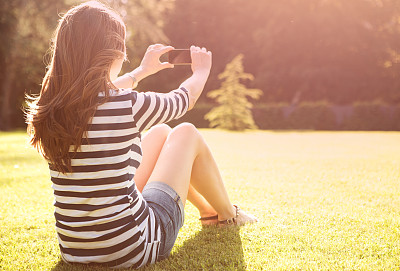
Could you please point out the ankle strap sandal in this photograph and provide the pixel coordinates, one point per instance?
(209, 220)
(230, 221)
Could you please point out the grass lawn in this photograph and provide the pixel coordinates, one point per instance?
(325, 201)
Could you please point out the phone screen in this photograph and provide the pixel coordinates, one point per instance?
(179, 57)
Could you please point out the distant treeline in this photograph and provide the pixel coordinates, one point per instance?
(339, 51)
(365, 116)
(336, 50)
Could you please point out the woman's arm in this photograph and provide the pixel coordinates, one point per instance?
(150, 65)
(130, 79)
(201, 66)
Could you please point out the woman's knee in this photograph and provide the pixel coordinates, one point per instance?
(161, 130)
(187, 131)
(158, 133)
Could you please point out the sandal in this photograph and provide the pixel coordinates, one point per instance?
(240, 218)
(230, 221)
(209, 220)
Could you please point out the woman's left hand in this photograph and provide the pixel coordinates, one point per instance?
(151, 63)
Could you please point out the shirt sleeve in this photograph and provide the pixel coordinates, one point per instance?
(151, 108)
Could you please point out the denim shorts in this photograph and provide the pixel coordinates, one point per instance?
(169, 213)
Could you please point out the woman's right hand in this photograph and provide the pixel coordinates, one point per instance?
(151, 61)
(201, 60)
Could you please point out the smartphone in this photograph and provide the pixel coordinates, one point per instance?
(180, 57)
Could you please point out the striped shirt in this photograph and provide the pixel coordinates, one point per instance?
(101, 217)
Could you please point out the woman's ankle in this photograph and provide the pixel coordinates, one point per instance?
(207, 212)
(230, 213)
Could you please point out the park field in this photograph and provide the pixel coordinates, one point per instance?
(324, 200)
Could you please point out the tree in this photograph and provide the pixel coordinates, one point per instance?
(234, 111)
(26, 28)
(334, 50)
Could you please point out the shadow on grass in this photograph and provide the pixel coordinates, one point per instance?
(209, 249)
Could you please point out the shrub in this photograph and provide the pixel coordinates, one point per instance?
(270, 116)
(314, 116)
(370, 116)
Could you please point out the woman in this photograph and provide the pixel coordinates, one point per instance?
(111, 206)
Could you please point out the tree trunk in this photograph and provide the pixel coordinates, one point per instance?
(8, 76)
(6, 94)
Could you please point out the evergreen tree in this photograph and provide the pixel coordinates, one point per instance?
(234, 110)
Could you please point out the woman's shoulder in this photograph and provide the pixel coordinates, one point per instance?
(116, 98)
(116, 92)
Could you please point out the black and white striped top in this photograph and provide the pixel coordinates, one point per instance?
(101, 217)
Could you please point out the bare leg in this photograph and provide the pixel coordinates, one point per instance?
(205, 209)
(152, 143)
(186, 159)
(181, 158)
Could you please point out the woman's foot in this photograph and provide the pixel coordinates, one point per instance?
(240, 218)
(245, 218)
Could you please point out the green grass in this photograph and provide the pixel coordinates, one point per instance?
(325, 201)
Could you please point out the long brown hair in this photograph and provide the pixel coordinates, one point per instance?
(88, 38)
